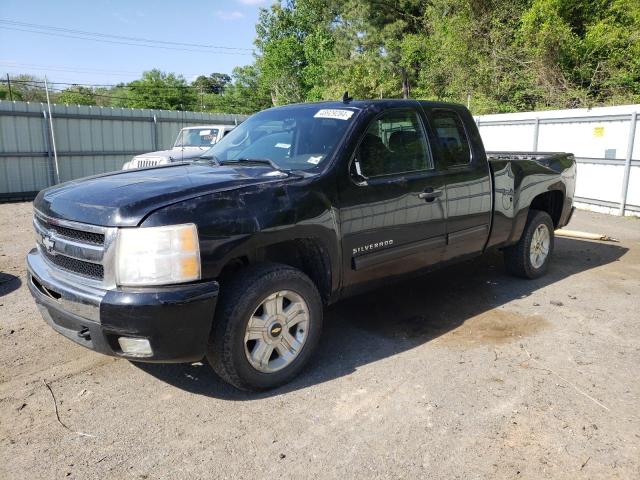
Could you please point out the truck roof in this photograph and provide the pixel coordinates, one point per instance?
(385, 102)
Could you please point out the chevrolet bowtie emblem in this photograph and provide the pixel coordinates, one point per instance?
(48, 243)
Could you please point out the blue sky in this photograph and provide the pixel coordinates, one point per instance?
(229, 23)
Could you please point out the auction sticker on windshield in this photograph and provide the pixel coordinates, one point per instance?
(334, 113)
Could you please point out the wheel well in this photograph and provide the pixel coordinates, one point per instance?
(306, 254)
(550, 202)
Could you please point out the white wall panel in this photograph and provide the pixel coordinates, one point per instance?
(633, 194)
(600, 182)
(598, 133)
(585, 139)
(507, 137)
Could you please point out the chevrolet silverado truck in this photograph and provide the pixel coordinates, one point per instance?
(234, 256)
(190, 144)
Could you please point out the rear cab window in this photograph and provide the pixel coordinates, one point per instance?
(452, 138)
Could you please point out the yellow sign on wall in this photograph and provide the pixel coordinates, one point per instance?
(598, 132)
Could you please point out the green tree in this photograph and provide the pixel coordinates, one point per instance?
(158, 90)
(77, 95)
(498, 55)
(393, 29)
(295, 43)
(27, 88)
(213, 83)
(583, 52)
(244, 94)
(5, 95)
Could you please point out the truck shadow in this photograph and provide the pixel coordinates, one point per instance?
(8, 283)
(393, 319)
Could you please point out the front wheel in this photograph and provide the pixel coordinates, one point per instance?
(529, 258)
(266, 327)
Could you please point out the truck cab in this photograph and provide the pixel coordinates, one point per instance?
(234, 256)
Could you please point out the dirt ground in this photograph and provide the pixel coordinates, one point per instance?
(464, 373)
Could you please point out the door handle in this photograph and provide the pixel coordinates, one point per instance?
(429, 194)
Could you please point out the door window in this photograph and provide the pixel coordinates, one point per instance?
(394, 143)
(451, 137)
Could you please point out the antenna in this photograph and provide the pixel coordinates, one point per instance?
(346, 98)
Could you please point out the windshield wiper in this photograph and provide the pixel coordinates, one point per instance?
(259, 161)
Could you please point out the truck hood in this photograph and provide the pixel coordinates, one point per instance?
(125, 198)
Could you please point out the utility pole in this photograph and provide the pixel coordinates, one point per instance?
(53, 136)
(9, 84)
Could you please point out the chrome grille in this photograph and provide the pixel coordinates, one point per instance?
(87, 237)
(76, 266)
(74, 248)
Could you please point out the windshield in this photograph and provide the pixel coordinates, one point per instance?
(196, 137)
(293, 138)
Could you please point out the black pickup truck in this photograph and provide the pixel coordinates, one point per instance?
(233, 256)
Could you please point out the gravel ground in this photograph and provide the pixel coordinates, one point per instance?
(465, 373)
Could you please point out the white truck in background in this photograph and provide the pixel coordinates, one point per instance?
(190, 144)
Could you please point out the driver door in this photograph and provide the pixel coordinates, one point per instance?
(393, 217)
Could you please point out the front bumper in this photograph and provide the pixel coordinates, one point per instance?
(176, 320)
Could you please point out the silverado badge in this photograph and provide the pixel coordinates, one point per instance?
(372, 246)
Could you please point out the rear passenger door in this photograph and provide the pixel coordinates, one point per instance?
(468, 180)
(392, 207)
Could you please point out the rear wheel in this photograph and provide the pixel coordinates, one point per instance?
(529, 258)
(267, 325)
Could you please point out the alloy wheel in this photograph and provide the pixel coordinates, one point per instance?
(277, 331)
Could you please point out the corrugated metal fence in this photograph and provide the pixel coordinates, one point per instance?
(89, 140)
(605, 141)
(92, 140)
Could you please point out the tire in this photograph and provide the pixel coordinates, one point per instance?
(518, 258)
(249, 298)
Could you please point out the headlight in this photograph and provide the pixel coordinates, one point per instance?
(157, 255)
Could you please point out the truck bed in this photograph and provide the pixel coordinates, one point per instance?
(520, 177)
(547, 159)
